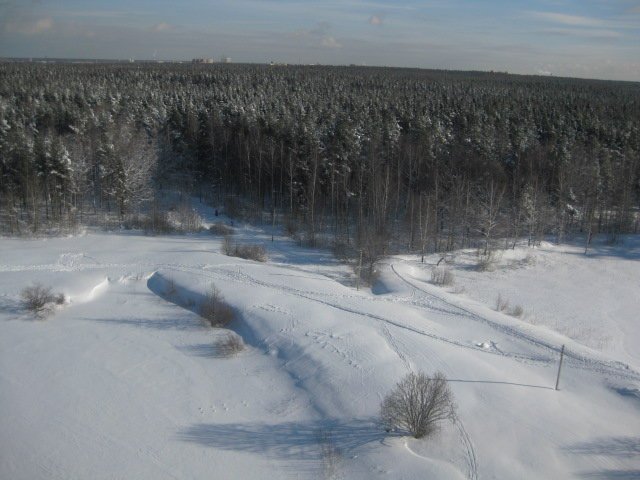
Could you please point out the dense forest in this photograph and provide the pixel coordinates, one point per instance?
(373, 158)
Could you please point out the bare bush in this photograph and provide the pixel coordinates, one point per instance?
(486, 261)
(418, 404)
(157, 222)
(501, 303)
(369, 274)
(248, 252)
(228, 246)
(442, 276)
(214, 309)
(40, 300)
(220, 229)
(252, 252)
(230, 345)
(516, 311)
(187, 218)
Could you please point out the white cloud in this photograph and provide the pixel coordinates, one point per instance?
(571, 20)
(99, 13)
(588, 33)
(330, 42)
(375, 20)
(162, 27)
(30, 26)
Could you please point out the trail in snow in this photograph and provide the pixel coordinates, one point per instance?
(579, 361)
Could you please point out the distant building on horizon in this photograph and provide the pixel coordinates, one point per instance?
(202, 60)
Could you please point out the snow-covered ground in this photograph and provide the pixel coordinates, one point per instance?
(593, 299)
(125, 381)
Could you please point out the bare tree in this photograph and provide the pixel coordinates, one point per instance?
(488, 216)
(418, 404)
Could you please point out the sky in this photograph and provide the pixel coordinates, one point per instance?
(577, 38)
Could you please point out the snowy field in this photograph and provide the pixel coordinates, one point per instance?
(125, 381)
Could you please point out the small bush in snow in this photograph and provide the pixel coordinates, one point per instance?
(486, 261)
(501, 303)
(228, 246)
(220, 229)
(214, 309)
(369, 274)
(157, 222)
(230, 345)
(187, 219)
(517, 311)
(40, 300)
(418, 404)
(442, 276)
(248, 252)
(252, 252)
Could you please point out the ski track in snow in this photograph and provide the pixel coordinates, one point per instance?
(575, 359)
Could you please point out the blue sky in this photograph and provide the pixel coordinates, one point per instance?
(582, 38)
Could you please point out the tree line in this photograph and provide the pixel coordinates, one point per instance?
(377, 158)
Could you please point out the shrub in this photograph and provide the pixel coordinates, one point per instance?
(501, 303)
(220, 229)
(486, 261)
(516, 311)
(249, 252)
(157, 222)
(230, 345)
(228, 247)
(214, 309)
(369, 274)
(40, 299)
(418, 404)
(442, 276)
(187, 218)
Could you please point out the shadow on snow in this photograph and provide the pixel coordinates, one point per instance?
(287, 440)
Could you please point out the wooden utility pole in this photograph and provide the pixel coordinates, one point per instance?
(560, 367)
(359, 272)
